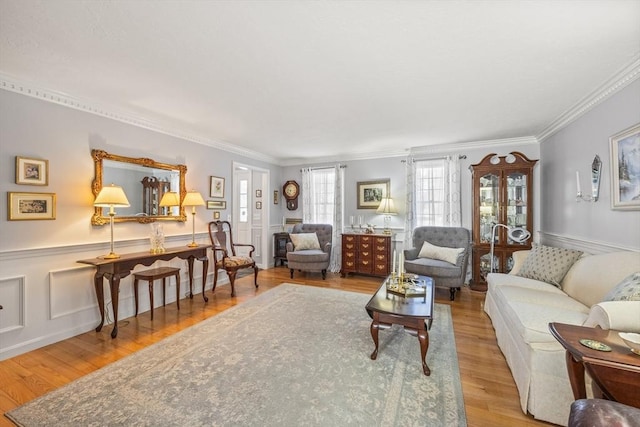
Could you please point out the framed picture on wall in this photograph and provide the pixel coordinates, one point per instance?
(216, 186)
(28, 206)
(625, 169)
(216, 214)
(370, 193)
(216, 204)
(32, 171)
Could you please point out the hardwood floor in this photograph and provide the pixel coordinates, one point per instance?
(490, 395)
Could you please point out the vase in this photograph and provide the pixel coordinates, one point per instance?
(156, 238)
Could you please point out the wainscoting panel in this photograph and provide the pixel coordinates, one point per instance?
(71, 291)
(587, 246)
(12, 298)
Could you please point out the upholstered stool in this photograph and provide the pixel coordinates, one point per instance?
(151, 276)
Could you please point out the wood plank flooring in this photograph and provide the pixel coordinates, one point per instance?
(490, 395)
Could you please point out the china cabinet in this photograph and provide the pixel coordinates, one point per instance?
(502, 194)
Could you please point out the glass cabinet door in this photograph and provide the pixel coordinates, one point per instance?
(516, 203)
(489, 205)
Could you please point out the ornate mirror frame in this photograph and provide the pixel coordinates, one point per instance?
(99, 217)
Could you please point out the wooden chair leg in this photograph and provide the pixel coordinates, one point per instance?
(164, 289)
(151, 296)
(215, 279)
(232, 280)
(452, 294)
(324, 274)
(135, 294)
(255, 276)
(178, 289)
(291, 272)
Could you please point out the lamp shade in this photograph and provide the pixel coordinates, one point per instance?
(387, 207)
(111, 195)
(170, 198)
(193, 198)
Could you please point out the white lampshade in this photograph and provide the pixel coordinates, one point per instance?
(110, 196)
(170, 198)
(387, 207)
(193, 198)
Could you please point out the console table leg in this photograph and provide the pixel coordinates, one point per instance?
(190, 266)
(205, 272)
(97, 282)
(114, 284)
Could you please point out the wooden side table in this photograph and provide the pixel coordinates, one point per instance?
(615, 373)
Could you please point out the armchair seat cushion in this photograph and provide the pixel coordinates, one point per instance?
(433, 267)
(308, 255)
(234, 261)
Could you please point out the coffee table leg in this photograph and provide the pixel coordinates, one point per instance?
(423, 337)
(375, 325)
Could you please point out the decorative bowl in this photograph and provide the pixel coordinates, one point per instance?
(632, 340)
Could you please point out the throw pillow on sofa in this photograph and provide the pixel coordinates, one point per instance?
(627, 290)
(449, 255)
(548, 264)
(304, 241)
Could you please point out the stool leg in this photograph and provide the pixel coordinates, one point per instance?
(178, 289)
(164, 288)
(151, 296)
(135, 293)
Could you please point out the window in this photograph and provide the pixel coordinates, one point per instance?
(244, 200)
(430, 192)
(322, 195)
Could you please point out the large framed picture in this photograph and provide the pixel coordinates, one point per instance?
(625, 169)
(32, 171)
(370, 193)
(217, 186)
(27, 206)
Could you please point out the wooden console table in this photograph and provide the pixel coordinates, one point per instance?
(116, 269)
(615, 373)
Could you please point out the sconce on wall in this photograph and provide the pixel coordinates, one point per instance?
(596, 168)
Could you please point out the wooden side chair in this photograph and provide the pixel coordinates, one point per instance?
(225, 257)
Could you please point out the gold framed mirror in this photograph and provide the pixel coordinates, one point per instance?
(144, 181)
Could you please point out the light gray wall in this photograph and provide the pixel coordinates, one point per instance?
(573, 149)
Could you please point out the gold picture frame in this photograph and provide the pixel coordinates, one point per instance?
(370, 193)
(31, 206)
(32, 171)
(216, 214)
(216, 204)
(276, 196)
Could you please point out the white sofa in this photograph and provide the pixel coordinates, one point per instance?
(521, 310)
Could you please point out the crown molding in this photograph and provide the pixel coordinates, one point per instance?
(12, 84)
(619, 80)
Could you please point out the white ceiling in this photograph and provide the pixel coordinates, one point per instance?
(316, 79)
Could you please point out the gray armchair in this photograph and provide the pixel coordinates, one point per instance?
(444, 274)
(316, 259)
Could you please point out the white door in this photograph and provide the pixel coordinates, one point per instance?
(251, 209)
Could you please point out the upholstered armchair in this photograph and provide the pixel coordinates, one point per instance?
(441, 253)
(310, 248)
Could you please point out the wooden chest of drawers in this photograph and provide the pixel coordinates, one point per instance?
(366, 254)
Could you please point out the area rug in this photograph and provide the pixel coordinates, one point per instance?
(294, 355)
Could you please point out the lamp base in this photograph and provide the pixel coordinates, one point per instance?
(110, 256)
(192, 245)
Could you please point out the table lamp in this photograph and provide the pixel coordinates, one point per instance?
(110, 197)
(170, 199)
(387, 208)
(193, 199)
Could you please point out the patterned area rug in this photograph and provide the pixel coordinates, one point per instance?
(295, 355)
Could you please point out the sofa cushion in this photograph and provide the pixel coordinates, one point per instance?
(449, 255)
(627, 290)
(593, 276)
(308, 255)
(303, 241)
(432, 267)
(548, 264)
(501, 279)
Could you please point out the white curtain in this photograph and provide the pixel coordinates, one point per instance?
(338, 219)
(410, 219)
(452, 190)
(307, 191)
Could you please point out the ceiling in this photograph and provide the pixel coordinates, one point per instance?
(303, 80)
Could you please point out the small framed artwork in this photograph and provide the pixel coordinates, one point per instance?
(216, 215)
(258, 205)
(275, 197)
(625, 162)
(28, 206)
(216, 186)
(216, 204)
(258, 194)
(32, 171)
(370, 193)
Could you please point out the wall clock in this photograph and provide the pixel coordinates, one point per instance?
(291, 191)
